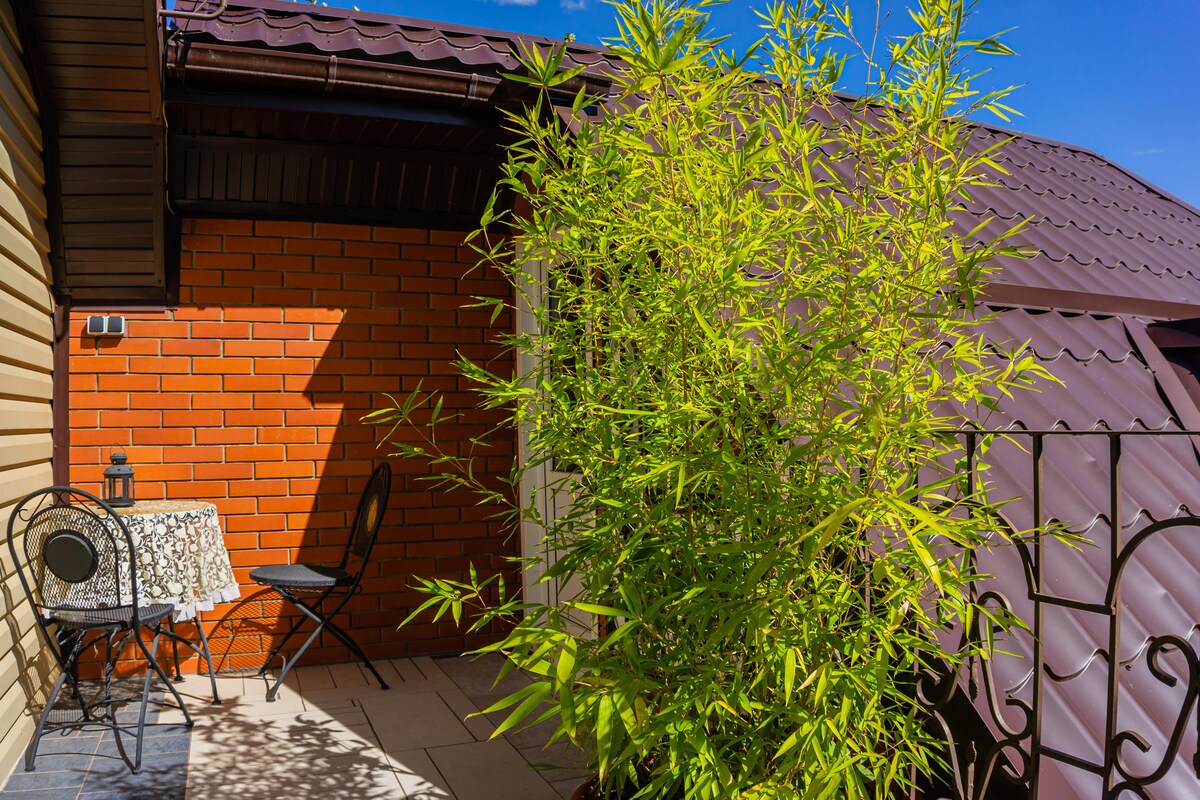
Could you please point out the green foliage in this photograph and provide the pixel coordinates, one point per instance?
(754, 319)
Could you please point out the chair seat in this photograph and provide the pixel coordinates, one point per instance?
(315, 576)
(121, 617)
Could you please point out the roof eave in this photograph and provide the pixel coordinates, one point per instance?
(204, 62)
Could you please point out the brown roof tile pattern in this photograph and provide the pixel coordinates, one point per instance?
(1090, 225)
(355, 34)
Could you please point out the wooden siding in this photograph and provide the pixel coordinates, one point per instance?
(26, 333)
(100, 63)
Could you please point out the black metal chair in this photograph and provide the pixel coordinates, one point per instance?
(331, 584)
(78, 567)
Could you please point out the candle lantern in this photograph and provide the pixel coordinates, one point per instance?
(118, 482)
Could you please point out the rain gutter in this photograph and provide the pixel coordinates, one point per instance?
(198, 61)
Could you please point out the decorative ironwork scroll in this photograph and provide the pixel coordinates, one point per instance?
(1010, 760)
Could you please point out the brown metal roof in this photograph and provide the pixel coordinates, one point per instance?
(341, 40)
(375, 36)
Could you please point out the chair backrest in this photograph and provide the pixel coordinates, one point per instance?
(368, 517)
(76, 552)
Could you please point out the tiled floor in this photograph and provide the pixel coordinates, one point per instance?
(332, 733)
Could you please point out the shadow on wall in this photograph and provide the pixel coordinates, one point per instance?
(250, 395)
(398, 327)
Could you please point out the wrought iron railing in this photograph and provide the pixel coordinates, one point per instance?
(1008, 750)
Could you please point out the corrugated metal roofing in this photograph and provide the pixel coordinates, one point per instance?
(375, 37)
(1094, 229)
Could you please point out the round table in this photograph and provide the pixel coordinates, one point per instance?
(181, 555)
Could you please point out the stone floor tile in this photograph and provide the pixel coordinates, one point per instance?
(415, 721)
(419, 777)
(363, 775)
(56, 772)
(408, 671)
(151, 745)
(314, 677)
(347, 675)
(476, 676)
(491, 770)
(163, 772)
(41, 794)
(479, 726)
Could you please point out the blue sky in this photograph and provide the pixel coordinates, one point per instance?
(1120, 78)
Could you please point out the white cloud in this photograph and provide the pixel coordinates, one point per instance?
(514, 2)
(572, 5)
(1150, 151)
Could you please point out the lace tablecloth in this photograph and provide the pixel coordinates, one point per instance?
(181, 555)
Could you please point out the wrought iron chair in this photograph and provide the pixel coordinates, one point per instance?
(78, 568)
(331, 584)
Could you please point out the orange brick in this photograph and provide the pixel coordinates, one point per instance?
(283, 228)
(221, 330)
(192, 419)
(314, 416)
(254, 418)
(283, 297)
(193, 454)
(253, 314)
(404, 235)
(258, 488)
(211, 472)
(271, 348)
(253, 383)
(198, 489)
(297, 435)
(328, 316)
(261, 452)
(99, 363)
(284, 469)
(254, 244)
(222, 366)
(190, 347)
(360, 233)
(101, 400)
(322, 247)
(130, 419)
(165, 365)
(264, 330)
(191, 383)
(222, 400)
(283, 366)
(258, 522)
(225, 436)
(173, 436)
(159, 400)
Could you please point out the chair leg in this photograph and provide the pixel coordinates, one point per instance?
(324, 621)
(188, 721)
(291, 631)
(31, 753)
(347, 640)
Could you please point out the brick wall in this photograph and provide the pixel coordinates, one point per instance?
(249, 395)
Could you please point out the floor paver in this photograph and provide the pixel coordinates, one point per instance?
(332, 733)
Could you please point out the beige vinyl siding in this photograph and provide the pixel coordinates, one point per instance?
(26, 361)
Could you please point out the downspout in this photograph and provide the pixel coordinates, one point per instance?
(60, 394)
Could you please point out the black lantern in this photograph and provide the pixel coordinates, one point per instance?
(118, 482)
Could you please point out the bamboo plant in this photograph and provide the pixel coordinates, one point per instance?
(758, 306)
